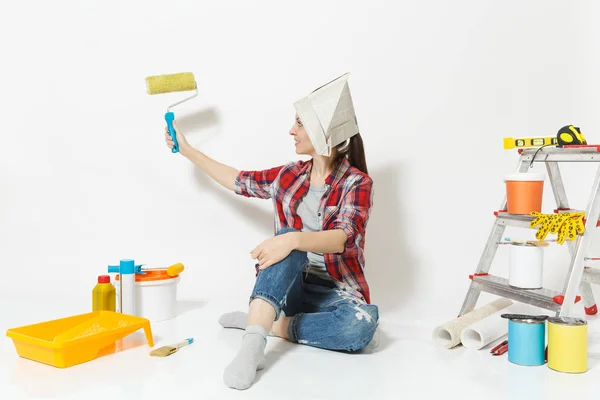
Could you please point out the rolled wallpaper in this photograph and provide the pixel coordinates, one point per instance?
(448, 334)
(492, 327)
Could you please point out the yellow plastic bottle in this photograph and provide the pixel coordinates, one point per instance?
(104, 295)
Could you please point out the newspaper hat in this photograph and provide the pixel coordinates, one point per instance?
(328, 115)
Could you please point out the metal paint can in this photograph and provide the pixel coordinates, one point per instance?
(567, 344)
(526, 265)
(527, 341)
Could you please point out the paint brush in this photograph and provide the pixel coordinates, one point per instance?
(530, 242)
(168, 350)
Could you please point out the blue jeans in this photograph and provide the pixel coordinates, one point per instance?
(322, 315)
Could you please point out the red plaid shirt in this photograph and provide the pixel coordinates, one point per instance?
(346, 205)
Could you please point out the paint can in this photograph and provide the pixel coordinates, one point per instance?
(567, 344)
(156, 295)
(526, 339)
(526, 266)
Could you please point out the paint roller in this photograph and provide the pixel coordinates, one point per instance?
(169, 83)
(173, 270)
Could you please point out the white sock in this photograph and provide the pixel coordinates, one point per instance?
(236, 320)
(240, 373)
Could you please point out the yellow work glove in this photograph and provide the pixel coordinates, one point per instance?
(566, 225)
(571, 228)
(558, 220)
(545, 220)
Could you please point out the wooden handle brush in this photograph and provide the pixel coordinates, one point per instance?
(537, 243)
(168, 350)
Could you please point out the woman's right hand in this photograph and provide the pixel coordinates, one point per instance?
(221, 173)
(184, 146)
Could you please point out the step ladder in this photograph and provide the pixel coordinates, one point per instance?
(579, 277)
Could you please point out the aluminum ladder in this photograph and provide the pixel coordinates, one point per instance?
(579, 276)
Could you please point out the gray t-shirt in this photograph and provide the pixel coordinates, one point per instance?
(308, 208)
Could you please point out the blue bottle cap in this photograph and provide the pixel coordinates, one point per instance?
(126, 266)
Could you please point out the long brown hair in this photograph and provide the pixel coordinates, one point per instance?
(354, 152)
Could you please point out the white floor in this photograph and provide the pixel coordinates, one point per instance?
(405, 365)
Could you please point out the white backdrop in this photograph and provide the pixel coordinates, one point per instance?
(86, 178)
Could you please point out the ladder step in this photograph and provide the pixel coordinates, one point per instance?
(544, 298)
(591, 275)
(588, 153)
(516, 220)
(523, 221)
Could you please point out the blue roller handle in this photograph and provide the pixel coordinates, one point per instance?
(169, 117)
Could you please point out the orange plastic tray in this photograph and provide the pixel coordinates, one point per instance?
(74, 340)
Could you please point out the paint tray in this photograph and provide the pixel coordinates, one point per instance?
(75, 340)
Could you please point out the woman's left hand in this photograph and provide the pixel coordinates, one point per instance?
(273, 250)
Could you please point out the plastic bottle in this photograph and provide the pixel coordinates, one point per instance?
(126, 270)
(104, 295)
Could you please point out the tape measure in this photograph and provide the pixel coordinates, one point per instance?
(567, 135)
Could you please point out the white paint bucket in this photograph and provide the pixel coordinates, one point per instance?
(155, 295)
(526, 266)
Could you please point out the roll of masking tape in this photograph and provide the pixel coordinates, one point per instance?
(567, 344)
